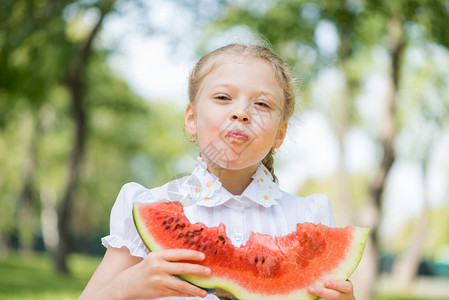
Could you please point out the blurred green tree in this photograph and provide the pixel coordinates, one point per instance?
(63, 60)
(71, 132)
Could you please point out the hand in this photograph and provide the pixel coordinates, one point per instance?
(152, 277)
(334, 290)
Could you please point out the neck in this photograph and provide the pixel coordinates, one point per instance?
(234, 181)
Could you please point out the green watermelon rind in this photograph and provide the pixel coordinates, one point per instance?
(341, 272)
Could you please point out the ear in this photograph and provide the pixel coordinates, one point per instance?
(281, 135)
(190, 121)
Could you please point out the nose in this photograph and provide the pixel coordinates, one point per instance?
(241, 116)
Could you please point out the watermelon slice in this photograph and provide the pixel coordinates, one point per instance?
(265, 267)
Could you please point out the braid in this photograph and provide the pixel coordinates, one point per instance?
(268, 163)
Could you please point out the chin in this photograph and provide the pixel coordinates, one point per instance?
(237, 163)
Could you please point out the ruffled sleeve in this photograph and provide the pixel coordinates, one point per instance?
(319, 209)
(122, 229)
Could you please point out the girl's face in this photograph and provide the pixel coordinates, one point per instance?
(238, 113)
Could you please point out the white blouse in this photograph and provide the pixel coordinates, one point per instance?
(263, 207)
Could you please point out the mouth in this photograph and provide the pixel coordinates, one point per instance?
(237, 135)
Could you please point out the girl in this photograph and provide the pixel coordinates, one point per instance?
(241, 98)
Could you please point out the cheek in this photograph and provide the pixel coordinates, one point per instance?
(207, 121)
(208, 124)
(270, 129)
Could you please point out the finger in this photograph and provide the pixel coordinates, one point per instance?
(181, 254)
(186, 268)
(174, 293)
(185, 287)
(339, 285)
(323, 292)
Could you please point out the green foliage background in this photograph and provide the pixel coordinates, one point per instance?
(128, 138)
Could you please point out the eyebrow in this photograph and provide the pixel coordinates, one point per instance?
(225, 85)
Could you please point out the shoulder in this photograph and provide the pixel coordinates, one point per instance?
(316, 208)
(133, 189)
(314, 199)
(133, 192)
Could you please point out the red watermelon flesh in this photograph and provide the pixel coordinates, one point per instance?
(265, 267)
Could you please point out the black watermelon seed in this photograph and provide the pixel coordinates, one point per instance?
(263, 259)
(167, 227)
(256, 259)
(221, 238)
(164, 223)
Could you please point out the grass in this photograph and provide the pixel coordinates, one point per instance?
(32, 277)
(423, 288)
(403, 297)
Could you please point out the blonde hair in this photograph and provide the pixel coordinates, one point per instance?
(209, 62)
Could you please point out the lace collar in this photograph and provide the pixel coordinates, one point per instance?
(205, 188)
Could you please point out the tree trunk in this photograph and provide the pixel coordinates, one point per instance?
(405, 269)
(74, 166)
(75, 84)
(371, 217)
